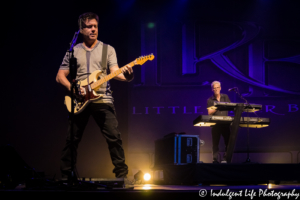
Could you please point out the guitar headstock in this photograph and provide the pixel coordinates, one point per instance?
(141, 60)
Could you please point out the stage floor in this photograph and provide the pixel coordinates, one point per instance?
(193, 181)
(288, 186)
(152, 191)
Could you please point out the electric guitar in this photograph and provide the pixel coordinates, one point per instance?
(94, 82)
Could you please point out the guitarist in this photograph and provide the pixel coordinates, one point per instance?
(89, 59)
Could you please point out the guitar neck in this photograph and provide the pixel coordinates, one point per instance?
(110, 76)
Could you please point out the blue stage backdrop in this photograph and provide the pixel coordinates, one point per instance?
(171, 91)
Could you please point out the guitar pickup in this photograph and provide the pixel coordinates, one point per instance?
(84, 91)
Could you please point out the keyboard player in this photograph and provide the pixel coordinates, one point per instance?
(218, 129)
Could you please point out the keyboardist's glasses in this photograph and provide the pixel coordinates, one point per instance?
(216, 88)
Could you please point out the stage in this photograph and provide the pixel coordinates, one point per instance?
(153, 191)
(225, 181)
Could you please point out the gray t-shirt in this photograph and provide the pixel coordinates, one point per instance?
(90, 60)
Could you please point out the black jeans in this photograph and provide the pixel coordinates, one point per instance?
(105, 117)
(216, 132)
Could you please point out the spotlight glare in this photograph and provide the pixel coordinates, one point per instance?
(269, 186)
(147, 187)
(147, 177)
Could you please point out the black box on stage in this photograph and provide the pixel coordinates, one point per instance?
(178, 149)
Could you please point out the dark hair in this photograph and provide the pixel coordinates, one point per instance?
(82, 18)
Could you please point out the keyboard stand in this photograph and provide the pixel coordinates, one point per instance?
(234, 131)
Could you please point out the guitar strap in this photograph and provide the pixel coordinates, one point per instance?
(104, 58)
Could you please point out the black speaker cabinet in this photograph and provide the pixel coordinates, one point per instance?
(177, 149)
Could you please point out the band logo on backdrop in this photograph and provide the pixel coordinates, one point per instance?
(259, 56)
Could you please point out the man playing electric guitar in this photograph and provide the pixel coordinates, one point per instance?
(89, 59)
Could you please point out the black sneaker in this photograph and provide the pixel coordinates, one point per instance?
(215, 162)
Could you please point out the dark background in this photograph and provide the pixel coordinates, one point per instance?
(36, 35)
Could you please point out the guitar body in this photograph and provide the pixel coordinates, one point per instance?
(80, 102)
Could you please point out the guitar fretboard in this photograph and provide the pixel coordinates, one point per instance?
(110, 76)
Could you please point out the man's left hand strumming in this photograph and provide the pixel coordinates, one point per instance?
(128, 73)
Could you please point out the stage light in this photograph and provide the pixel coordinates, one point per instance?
(150, 25)
(141, 177)
(269, 186)
(138, 176)
(147, 177)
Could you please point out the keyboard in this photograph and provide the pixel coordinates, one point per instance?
(211, 120)
(231, 106)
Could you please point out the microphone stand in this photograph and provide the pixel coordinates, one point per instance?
(72, 179)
